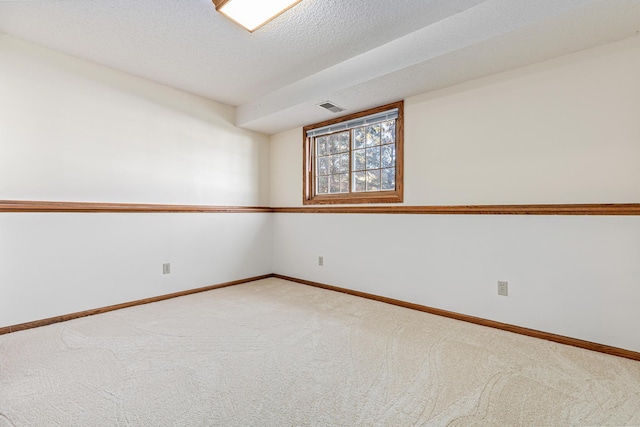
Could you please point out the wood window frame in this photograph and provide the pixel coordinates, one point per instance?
(309, 196)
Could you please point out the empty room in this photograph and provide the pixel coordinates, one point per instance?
(319, 213)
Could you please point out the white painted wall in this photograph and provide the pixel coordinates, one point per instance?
(55, 263)
(286, 168)
(76, 131)
(573, 276)
(71, 130)
(563, 131)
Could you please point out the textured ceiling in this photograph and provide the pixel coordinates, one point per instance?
(356, 53)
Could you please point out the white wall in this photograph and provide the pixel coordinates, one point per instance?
(286, 168)
(563, 131)
(573, 276)
(71, 130)
(55, 263)
(76, 131)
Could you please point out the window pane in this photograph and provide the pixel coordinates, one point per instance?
(388, 178)
(334, 184)
(323, 185)
(373, 180)
(323, 166)
(344, 183)
(344, 162)
(373, 158)
(359, 160)
(334, 164)
(343, 141)
(359, 181)
(388, 130)
(388, 156)
(373, 135)
(358, 138)
(321, 144)
(331, 145)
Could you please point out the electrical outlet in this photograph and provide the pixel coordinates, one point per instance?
(320, 261)
(503, 288)
(166, 268)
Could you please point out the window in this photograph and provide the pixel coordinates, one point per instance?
(355, 159)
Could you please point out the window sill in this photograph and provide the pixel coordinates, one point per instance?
(357, 198)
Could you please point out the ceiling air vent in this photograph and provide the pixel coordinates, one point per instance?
(331, 107)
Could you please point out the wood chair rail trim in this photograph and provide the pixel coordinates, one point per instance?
(550, 209)
(91, 207)
(544, 209)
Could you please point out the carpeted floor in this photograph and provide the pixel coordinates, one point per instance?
(276, 353)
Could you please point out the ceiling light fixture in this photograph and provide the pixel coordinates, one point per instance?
(253, 14)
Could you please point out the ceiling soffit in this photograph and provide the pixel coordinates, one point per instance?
(358, 53)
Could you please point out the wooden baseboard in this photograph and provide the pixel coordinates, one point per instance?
(600, 348)
(65, 317)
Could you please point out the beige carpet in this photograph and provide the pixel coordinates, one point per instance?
(275, 353)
